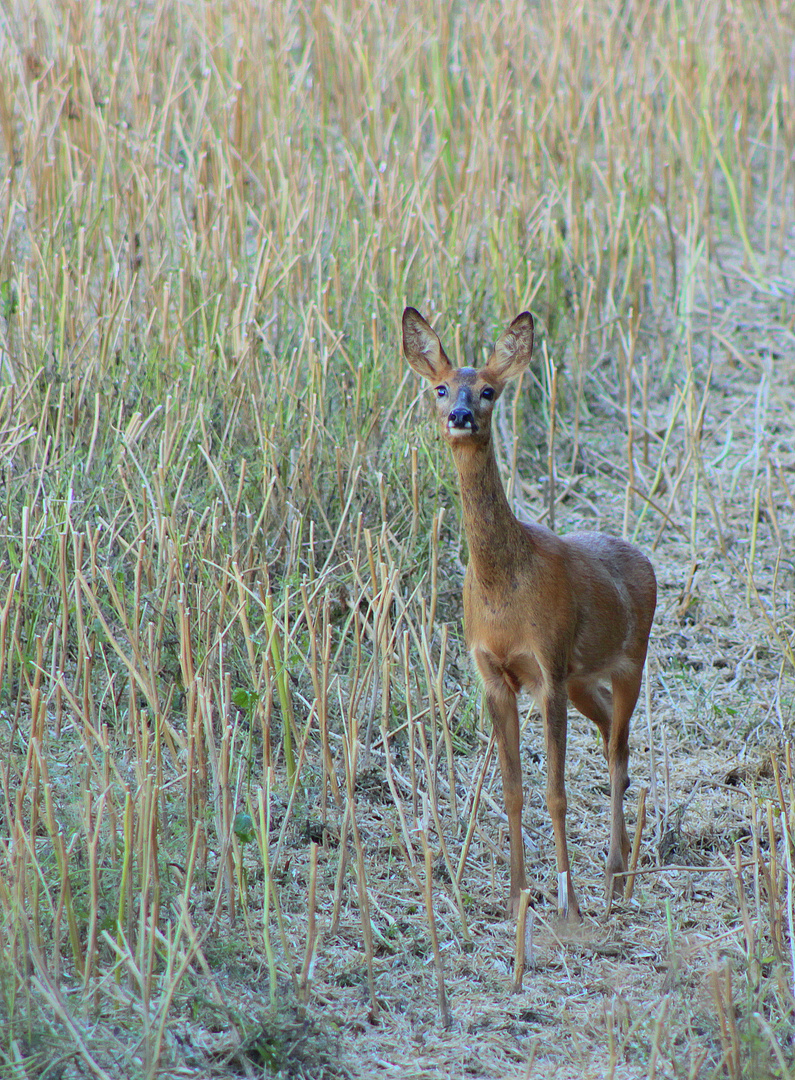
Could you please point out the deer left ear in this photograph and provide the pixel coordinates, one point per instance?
(514, 348)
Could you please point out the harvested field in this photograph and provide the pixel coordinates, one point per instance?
(251, 819)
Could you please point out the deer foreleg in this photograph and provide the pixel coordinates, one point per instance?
(555, 721)
(501, 702)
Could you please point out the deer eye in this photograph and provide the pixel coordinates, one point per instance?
(488, 393)
(441, 391)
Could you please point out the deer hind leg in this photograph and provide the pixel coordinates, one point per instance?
(611, 714)
(596, 703)
(555, 725)
(501, 691)
(625, 695)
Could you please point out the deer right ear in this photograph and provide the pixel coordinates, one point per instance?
(422, 347)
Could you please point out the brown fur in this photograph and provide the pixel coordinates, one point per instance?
(563, 617)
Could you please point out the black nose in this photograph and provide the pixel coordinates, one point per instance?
(461, 418)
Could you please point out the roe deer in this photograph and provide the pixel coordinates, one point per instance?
(564, 617)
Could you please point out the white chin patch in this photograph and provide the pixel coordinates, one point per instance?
(458, 432)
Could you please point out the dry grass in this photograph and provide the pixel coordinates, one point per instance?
(249, 816)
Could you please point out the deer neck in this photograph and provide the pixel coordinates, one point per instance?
(494, 535)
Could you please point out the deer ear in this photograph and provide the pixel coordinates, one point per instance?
(514, 348)
(422, 347)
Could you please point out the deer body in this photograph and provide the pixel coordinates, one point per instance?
(567, 618)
